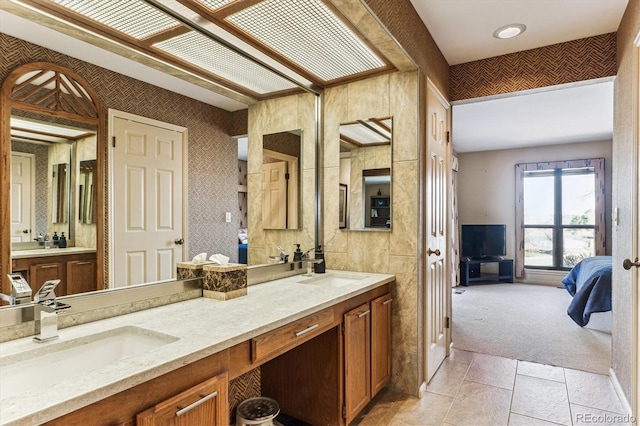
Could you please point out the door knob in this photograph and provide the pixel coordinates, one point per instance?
(179, 241)
(436, 252)
(627, 263)
(25, 231)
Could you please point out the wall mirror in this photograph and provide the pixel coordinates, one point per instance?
(365, 174)
(51, 122)
(281, 153)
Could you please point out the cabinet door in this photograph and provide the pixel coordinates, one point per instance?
(380, 343)
(203, 404)
(42, 272)
(357, 360)
(81, 276)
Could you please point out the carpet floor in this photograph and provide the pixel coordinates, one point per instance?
(530, 323)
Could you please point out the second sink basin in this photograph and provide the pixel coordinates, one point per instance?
(333, 279)
(50, 363)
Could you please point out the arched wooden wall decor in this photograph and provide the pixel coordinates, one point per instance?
(54, 91)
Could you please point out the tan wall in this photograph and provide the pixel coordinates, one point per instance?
(395, 251)
(625, 89)
(293, 113)
(486, 182)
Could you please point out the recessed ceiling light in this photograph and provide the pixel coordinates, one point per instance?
(509, 31)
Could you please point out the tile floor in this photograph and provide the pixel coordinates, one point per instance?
(477, 389)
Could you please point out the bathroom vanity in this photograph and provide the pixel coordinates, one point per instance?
(322, 346)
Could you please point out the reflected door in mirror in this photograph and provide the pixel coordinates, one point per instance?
(22, 196)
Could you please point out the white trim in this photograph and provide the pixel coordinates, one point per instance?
(623, 399)
(635, 283)
(112, 115)
(32, 159)
(543, 276)
(422, 389)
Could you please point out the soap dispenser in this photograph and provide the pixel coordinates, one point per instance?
(320, 267)
(55, 238)
(297, 255)
(62, 242)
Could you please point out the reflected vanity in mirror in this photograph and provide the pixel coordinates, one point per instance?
(365, 174)
(281, 153)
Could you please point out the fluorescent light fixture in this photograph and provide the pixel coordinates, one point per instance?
(509, 31)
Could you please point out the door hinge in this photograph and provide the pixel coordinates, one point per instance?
(447, 322)
(344, 411)
(113, 141)
(286, 176)
(342, 327)
(448, 136)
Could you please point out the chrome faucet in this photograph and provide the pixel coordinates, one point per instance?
(283, 257)
(46, 312)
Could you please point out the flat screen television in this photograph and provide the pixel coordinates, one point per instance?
(484, 241)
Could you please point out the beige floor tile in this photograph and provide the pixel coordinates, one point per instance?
(592, 390)
(459, 355)
(448, 378)
(542, 399)
(493, 371)
(520, 420)
(477, 404)
(589, 416)
(431, 409)
(541, 371)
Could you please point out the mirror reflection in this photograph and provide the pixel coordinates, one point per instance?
(281, 180)
(365, 174)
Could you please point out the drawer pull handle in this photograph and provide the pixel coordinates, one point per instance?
(386, 302)
(360, 315)
(306, 330)
(195, 404)
(48, 266)
(83, 263)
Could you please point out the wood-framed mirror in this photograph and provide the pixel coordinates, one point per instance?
(43, 91)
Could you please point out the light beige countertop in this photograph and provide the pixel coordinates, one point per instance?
(53, 251)
(202, 327)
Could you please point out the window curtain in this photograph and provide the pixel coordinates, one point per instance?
(455, 226)
(598, 165)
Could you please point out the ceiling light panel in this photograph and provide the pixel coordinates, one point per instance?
(310, 34)
(215, 4)
(212, 56)
(132, 17)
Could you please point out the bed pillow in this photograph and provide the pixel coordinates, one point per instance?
(242, 236)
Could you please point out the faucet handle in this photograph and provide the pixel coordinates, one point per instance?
(46, 292)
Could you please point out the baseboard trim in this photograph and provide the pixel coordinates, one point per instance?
(623, 399)
(422, 390)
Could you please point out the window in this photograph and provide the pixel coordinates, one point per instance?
(559, 213)
(559, 217)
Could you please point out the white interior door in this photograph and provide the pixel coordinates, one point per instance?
(274, 195)
(22, 196)
(437, 288)
(147, 203)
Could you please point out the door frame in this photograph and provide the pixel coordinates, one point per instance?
(32, 216)
(112, 115)
(635, 280)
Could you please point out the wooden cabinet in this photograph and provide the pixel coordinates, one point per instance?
(77, 272)
(380, 343)
(367, 353)
(204, 404)
(357, 360)
(81, 276)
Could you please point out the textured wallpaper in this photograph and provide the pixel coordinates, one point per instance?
(212, 153)
(577, 60)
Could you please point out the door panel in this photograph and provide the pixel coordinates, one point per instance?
(274, 190)
(147, 200)
(357, 360)
(437, 233)
(21, 197)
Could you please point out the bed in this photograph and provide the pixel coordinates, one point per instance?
(589, 282)
(243, 240)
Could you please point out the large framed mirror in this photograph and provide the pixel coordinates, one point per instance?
(281, 154)
(51, 123)
(365, 199)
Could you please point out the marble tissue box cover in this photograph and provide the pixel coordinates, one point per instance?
(186, 270)
(224, 282)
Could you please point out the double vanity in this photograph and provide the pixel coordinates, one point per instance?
(319, 345)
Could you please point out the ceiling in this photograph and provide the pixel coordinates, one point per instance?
(462, 29)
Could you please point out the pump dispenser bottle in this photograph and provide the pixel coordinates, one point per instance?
(319, 268)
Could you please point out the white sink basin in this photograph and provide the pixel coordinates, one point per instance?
(333, 279)
(49, 363)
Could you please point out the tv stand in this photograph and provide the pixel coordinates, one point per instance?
(471, 270)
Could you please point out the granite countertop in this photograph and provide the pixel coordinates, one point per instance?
(202, 326)
(53, 251)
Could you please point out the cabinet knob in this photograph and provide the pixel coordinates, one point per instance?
(436, 252)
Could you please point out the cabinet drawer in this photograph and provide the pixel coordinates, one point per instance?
(291, 335)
